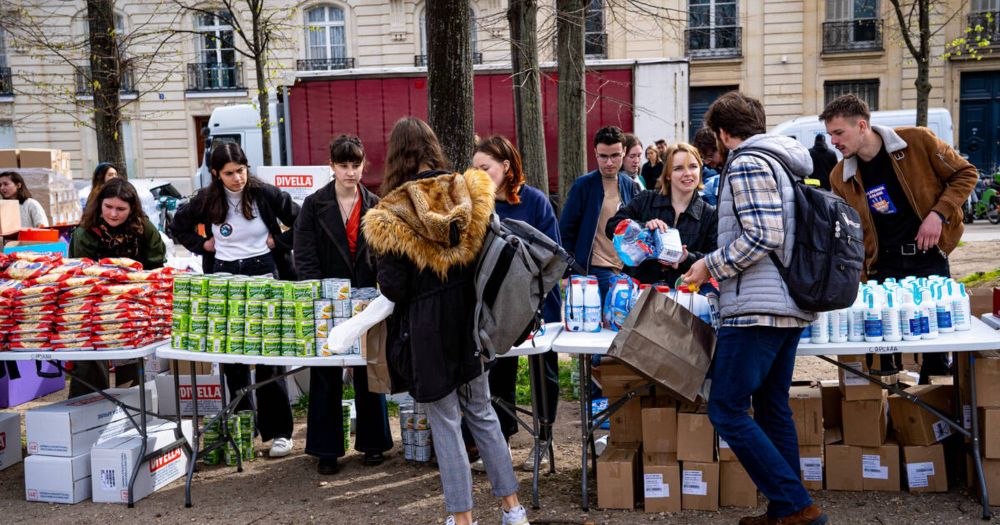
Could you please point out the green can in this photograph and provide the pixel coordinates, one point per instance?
(198, 306)
(178, 340)
(286, 310)
(215, 344)
(289, 347)
(182, 286)
(305, 329)
(196, 342)
(181, 323)
(303, 310)
(271, 346)
(198, 325)
(252, 345)
(182, 305)
(218, 288)
(258, 289)
(253, 328)
(246, 423)
(198, 286)
(236, 308)
(255, 309)
(287, 329)
(215, 307)
(271, 328)
(238, 289)
(234, 344)
(305, 347)
(281, 290)
(272, 309)
(302, 290)
(217, 325)
(345, 409)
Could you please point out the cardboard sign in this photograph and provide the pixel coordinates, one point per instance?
(299, 181)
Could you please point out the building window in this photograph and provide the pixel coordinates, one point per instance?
(216, 68)
(326, 40)
(866, 90)
(713, 29)
(595, 39)
(986, 14)
(421, 59)
(852, 25)
(6, 86)
(84, 80)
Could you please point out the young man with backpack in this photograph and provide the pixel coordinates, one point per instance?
(908, 187)
(761, 323)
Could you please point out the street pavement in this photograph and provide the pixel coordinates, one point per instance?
(981, 231)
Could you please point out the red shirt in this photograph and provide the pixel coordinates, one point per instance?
(352, 227)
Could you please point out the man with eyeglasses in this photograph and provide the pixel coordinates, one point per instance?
(593, 199)
(633, 160)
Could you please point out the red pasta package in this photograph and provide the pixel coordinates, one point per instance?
(33, 318)
(122, 315)
(122, 262)
(53, 258)
(24, 270)
(79, 307)
(35, 310)
(32, 291)
(73, 266)
(108, 272)
(29, 345)
(49, 278)
(38, 300)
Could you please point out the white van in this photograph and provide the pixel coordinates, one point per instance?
(805, 129)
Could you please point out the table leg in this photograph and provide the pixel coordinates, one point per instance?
(143, 431)
(976, 458)
(197, 430)
(586, 436)
(537, 390)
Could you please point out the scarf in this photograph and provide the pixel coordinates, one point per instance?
(116, 241)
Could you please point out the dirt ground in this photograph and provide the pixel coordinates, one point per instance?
(289, 490)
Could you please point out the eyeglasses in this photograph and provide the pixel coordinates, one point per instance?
(605, 158)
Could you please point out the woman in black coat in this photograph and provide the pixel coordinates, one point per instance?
(329, 244)
(676, 204)
(241, 217)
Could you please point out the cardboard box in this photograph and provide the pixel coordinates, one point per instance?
(659, 430)
(699, 485)
(925, 468)
(626, 423)
(832, 396)
(736, 489)
(989, 432)
(57, 479)
(843, 467)
(68, 428)
(113, 460)
(987, 382)
(880, 467)
(661, 475)
(991, 473)
(865, 422)
(209, 395)
(10, 217)
(38, 235)
(807, 412)
(60, 247)
(617, 379)
(726, 453)
(10, 439)
(855, 388)
(915, 426)
(695, 438)
(811, 466)
(8, 159)
(39, 158)
(617, 471)
(184, 368)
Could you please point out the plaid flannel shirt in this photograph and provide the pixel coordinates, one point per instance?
(757, 202)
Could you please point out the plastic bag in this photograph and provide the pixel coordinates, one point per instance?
(343, 336)
(633, 243)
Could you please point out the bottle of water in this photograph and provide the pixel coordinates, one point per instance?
(820, 333)
(961, 308)
(574, 304)
(839, 326)
(945, 309)
(873, 319)
(928, 319)
(890, 319)
(591, 307)
(909, 318)
(806, 336)
(856, 319)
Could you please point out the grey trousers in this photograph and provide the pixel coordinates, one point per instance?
(470, 401)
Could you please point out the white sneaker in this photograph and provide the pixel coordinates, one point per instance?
(529, 462)
(451, 521)
(515, 516)
(280, 447)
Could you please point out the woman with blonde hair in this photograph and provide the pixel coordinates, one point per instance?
(676, 204)
(652, 169)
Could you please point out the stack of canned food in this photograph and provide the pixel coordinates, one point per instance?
(241, 427)
(339, 303)
(415, 428)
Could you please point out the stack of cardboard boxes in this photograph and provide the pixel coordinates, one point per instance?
(988, 407)
(47, 175)
(664, 454)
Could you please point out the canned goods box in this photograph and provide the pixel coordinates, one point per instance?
(209, 394)
(113, 461)
(54, 479)
(10, 431)
(68, 428)
(336, 289)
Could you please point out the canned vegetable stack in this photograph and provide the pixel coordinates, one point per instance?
(415, 428)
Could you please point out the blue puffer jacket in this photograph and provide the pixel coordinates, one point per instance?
(578, 223)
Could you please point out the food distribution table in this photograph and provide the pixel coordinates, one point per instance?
(55, 357)
(980, 337)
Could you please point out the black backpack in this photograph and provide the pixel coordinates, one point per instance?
(829, 251)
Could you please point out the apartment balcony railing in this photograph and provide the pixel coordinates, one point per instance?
(85, 84)
(215, 76)
(851, 36)
(324, 64)
(595, 45)
(6, 86)
(421, 60)
(714, 42)
(990, 22)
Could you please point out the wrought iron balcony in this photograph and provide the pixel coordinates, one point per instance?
(714, 42)
(850, 36)
(215, 76)
(595, 45)
(324, 64)
(421, 60)
(990, 22)
(85, 84)
(6, 86)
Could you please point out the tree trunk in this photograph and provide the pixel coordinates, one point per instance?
(449, 79)
(105, 75)
(260, 62)
(572, 111)
(923, 82)
(522, 16)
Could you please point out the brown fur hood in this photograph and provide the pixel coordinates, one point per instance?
(438, 223)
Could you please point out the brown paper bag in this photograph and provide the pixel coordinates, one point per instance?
(373, 348)
(667, 343)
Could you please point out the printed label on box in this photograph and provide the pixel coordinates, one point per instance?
(967, 417)
(941, 429)
(917, 474)
(812, 469)
(655, 487)
(722, 443)
(871, 467)
(692, 485)
(852, 379)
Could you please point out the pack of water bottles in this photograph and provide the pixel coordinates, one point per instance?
(910, 309)
(636, 244)
(582, 304)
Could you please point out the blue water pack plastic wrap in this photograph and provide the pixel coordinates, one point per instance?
(633, 243)
(623, 292)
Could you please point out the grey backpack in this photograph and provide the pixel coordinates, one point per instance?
(517, 268)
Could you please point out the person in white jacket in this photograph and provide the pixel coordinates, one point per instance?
(12, 187)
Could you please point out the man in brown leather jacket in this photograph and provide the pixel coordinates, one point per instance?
(908, 186)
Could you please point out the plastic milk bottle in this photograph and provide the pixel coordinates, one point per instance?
(591, 307)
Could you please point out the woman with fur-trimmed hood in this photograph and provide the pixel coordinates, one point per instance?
(427, 231)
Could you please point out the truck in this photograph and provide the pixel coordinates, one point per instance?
(645, 97)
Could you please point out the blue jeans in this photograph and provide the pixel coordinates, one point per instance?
(756, 363)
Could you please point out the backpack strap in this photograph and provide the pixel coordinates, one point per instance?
(770, 160)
